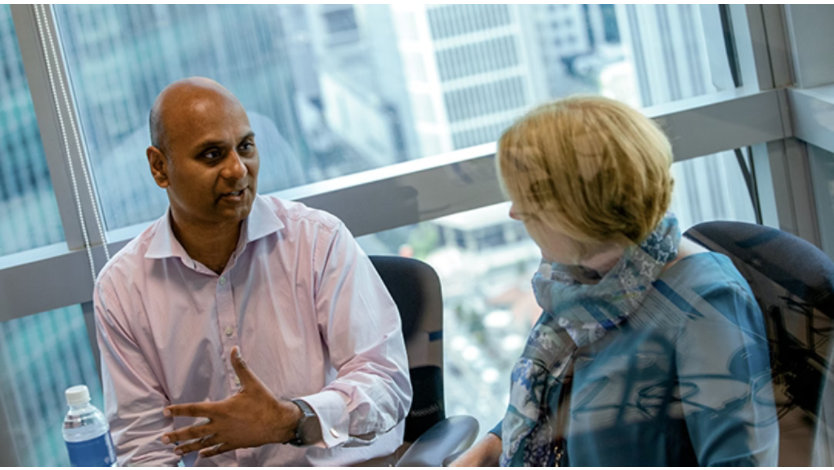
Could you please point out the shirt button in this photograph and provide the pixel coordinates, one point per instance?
(334, 433)
(222, 280)
(229, 331)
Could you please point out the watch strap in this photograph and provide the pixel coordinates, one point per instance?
(307, 415)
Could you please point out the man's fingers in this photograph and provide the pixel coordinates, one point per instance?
(208, 441)
(191, 409)
(199, 431)
(241, 369)
(218, 449)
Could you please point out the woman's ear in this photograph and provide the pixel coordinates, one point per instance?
(159, 166)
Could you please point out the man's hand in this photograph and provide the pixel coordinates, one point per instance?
(249, 418)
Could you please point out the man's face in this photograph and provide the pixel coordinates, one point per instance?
(209, 163)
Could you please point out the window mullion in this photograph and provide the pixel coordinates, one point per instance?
(57, 123)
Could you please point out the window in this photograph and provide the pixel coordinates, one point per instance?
(40, 357)
(117, 71)
(822, 169)
(476, 58)
(460, 84)
(28, 209)
(431, 79)
(454, 20)
(472, 66)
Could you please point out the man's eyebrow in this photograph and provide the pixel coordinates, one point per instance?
(206, 144)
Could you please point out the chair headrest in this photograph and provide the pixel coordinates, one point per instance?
(795, 264)
(413, 284)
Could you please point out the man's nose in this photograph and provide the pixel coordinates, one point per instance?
(234, 167)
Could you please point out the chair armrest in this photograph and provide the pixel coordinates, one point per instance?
(449, 437)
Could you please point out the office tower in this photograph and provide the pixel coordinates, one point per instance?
(566, 42)
(469, 69)
(362, 93)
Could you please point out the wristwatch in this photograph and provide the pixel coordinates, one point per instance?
(308, 430)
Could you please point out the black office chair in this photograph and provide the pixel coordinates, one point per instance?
(435, 439)
(793, 282)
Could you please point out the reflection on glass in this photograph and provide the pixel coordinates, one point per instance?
(28, 210)
(485, 261)
(40, 356)
(336, 89)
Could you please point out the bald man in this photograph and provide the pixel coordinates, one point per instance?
(225, 275)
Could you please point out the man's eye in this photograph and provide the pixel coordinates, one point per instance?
(247, 146)
(211, 155)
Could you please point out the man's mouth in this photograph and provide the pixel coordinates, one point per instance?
(233, 195)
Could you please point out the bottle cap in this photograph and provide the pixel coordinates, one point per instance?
(77, 395)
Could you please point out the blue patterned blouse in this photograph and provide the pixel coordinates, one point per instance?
(685, 383)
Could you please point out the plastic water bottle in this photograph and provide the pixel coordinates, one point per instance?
(86, 431)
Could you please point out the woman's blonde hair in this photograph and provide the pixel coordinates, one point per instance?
(594, 167)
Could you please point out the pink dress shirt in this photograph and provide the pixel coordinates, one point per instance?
(311, 316)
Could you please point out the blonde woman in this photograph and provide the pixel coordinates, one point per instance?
(650, 350)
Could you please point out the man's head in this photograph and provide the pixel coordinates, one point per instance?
(203, 153)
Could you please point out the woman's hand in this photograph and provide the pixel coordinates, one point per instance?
(484, 453)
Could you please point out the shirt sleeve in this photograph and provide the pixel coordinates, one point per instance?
(360, 326)
(724, 376)
(497, 429)
(133, 397)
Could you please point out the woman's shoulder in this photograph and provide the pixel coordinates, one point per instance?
(703, 269)
(708, 278)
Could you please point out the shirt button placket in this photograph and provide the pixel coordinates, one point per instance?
(226, 318)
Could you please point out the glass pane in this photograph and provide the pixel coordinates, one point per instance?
(40, 356)
(485, 323)
(710, 188)
(336, 89)
(822, 174)
(485, 262)
(28, 209)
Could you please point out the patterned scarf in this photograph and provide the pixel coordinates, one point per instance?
(575, 313)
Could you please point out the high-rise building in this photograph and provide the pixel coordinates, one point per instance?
(363, 97)
(469, 69)
(576, 42)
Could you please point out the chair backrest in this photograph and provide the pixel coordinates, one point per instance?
(415, 288)
(793, 281)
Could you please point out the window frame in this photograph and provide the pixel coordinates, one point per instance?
(756, 115)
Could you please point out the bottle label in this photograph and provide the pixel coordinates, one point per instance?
(96, 452)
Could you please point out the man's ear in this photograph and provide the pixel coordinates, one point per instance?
(159, 166)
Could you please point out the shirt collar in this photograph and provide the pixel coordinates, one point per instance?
(261, 222)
